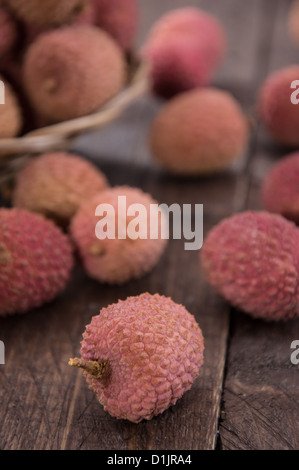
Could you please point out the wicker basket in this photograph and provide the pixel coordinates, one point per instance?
(14, 153)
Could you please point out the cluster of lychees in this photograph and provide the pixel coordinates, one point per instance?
(72, 60)
(65, 59)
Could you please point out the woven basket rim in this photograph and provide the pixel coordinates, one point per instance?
(60, 136)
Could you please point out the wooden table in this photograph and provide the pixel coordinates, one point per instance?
(247, 395)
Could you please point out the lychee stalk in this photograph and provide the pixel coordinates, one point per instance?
(94, 368)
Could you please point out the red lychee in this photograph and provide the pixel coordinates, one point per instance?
(35, 261)
(198, 132)
(119, 18)
(276, 110)
(184, 49)
(141, 355)
(280, 190)
(119, 256)
(252, 260)
(63, 81)
(57, 184)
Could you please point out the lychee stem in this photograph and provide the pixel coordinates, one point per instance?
(94, 368)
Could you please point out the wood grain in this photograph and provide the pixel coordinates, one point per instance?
(247, 394)
(260, 407)
(46, 404)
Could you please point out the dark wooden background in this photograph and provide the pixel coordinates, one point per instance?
(247, 395)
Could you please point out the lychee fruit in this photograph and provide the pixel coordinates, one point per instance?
(199, 132)
(47, 12)
(184, 48)
(175, 68)
(10, 112)
(251, 259)
(8, 32)
(35, 261)
(63, 81)
(280, 190)
(119, 18)
(276, 110)
(141, 355)
(57, 184)
(118, 253)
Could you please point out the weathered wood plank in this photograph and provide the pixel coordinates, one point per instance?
(192, 424)
(261, 389)
(44, 403)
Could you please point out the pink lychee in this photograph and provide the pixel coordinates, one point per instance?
(57, 184)
(35, 261)
(276, 110)
(120, 256)
(280, 190)
(252, 260)
(177, 68)
(64, 81)
(199, 132)
(184, 48)
(141, 355)
(119, 18)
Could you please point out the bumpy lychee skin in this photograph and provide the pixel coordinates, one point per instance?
(141, 355)
(126, 257)
(184, 48)
(63, 81)
(277, 112)
(280, 190)
(35, 261)
(8, 32)
(251, 259)
(10, 113)
(47, 12)
(199, 132)
(119, 18)
(57, 184)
